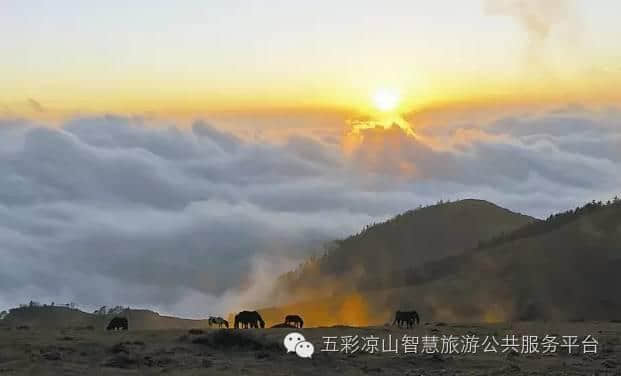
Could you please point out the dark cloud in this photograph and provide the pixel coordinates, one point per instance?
(111, 210)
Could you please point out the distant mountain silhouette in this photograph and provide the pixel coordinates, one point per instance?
(49, 317)
(62, 317)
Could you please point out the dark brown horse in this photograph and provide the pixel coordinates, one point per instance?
(406, 318)
(249, 319)
(118, 323)
(294, 320)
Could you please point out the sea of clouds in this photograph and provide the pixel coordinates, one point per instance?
(196, 221)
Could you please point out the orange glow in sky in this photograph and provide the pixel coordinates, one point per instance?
(193, 59)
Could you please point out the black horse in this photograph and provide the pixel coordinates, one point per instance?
(249, 319)
(294, 320)
(406, 318)
(118, 323)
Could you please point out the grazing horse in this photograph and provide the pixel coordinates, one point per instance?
(294, 320)
(118, 323)
(217, 321)
(249, 319)
(406, 318)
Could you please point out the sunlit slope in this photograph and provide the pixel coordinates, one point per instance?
(371, 258)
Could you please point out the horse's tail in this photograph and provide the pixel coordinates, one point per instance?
(397, 314)
(301, 322)
(237, 321)
(226, 323)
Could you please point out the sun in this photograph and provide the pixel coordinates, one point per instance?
(386, 99)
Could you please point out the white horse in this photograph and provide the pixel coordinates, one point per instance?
(217, 321)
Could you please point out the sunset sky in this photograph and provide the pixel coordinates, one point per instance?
(179, 155)
(200, 57)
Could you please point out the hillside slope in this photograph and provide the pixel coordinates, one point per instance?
(564, 268)
(369, 259)
(568, 272)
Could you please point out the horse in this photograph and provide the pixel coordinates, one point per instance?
(406, 318)
(295, 320)
(249, 319)
(217, 321)
(118, 323)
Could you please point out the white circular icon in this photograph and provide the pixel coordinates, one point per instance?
(291, 340)
(304, 349)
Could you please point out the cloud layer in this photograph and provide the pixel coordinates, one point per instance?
(110, 210)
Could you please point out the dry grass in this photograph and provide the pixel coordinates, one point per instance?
(260, 352)
(237, 340)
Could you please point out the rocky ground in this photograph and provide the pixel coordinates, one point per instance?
(84, 351)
